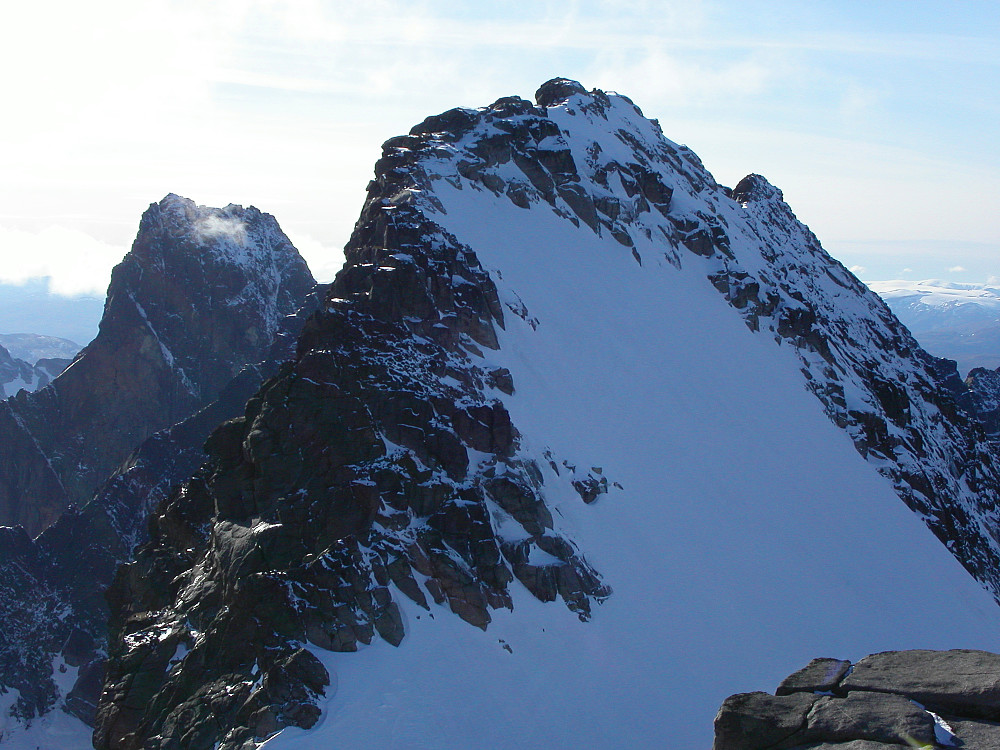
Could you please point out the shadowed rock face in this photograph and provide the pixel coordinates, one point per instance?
(52, 605)
(893, 699)
(378, 458)
(983, 399)
(200, 294)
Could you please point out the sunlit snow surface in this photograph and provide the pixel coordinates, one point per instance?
(748, 538)
(54, 731)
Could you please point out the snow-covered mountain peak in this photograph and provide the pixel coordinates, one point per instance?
(560, 363)
(232, 235)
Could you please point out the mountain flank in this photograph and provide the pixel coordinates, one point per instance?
(565, 384)
(201, 293)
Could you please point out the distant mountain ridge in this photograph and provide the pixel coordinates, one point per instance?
(201, 292)
(32, 347)
(959, 321)
(16, 374)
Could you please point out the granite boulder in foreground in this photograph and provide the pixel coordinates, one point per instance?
(893, 699)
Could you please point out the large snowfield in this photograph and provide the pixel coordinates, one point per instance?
(748, 538)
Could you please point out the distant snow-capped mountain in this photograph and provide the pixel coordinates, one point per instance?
(960, 321)
(32, 347)
(16, 374)
(580, 443)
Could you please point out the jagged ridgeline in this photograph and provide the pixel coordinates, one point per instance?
(382, 467)
(201, 293)
(199, 312)
(380, 456)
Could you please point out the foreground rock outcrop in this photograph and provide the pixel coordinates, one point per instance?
(894, 699)
(201, 293)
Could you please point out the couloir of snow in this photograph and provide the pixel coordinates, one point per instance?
(749, 535)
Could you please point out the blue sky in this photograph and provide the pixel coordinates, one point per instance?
(877, 120)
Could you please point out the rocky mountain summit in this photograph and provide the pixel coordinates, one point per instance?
(398, 468)
(201, 293)
(894, 699)
(52, 610)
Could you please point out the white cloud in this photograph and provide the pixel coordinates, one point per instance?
(75, 262)
(956, 269)
(323, 261)
(907, 270)
(858, 270)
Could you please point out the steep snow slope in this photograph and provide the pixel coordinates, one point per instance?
(748, 536)
(954, 320)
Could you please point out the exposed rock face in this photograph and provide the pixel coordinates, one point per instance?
(200, 294)
(892, 699)
(381, 456)
(983, 399)
(53, 610)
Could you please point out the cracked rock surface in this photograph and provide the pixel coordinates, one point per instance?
(892, 699)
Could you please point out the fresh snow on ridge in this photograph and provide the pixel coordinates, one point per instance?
(748, 535)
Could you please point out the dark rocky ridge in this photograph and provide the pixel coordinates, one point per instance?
(67, 568)
(200, 294)
(894, 699)
(380, 456)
